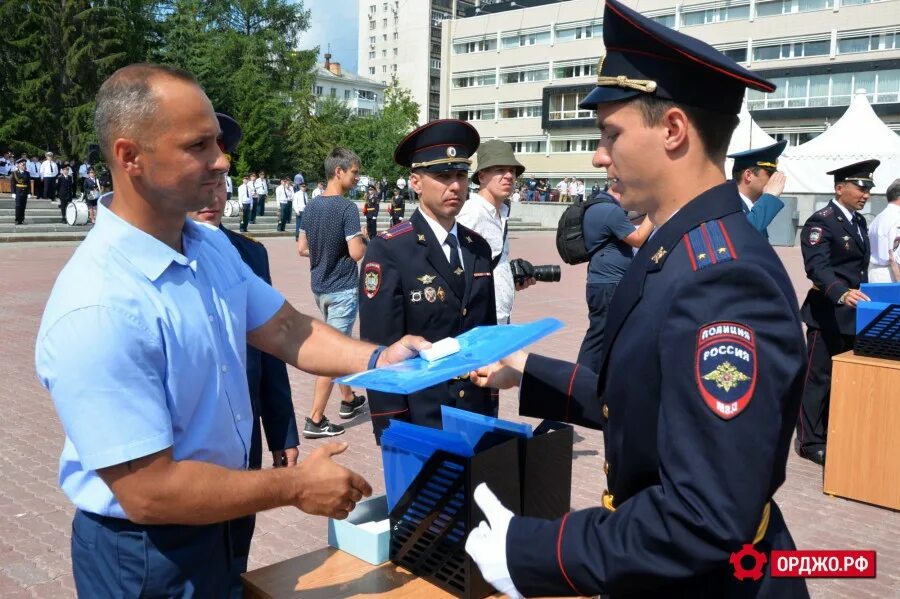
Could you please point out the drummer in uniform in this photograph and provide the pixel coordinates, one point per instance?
(397, 207)
(21, 182)
(835, 244)
(429, 275)
(370, 210)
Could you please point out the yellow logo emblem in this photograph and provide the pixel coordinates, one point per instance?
(726, 376)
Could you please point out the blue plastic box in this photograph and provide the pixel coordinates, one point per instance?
(347, 536)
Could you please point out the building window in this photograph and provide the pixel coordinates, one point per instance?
(558, 146)
(318, 90)
(371, 9)
(363, 94)
(529, 147)
(384, 7)
(828, 90)
(566, 33)
(435, 64)
(396, 36)
(857, 2)
(384, 68)
(525, 76)
(564, 107)
(394, 68)
(371, 70)
(346, 94)
(736, 54)
(869, 43)
(371, 54)
(714, 15)
(437, 17)
(769, 8)
(525, 39)
(475, 114)
(521, 112)
(668, 20)
(384, 22)
(486, 45)
(475, 80)
(334, 92)
(578, 70)
(395, 51)
(792, 50)
(372, 40)
(371, 25)
(384, 52)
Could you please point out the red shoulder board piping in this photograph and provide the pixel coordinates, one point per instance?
(397, 230)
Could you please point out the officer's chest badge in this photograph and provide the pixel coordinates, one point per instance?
(372, 279)
(441, 294)
(846, 240)
(430, 295)
(458, 271)
(659, 255)
(426, 279)
(415, 296)
(468, 239)
(726, 367)
(420, 237)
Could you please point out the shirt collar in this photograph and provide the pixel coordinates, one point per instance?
(489, 206)
(145, 252)
(747, 201)
(439, 232)
(845, 210)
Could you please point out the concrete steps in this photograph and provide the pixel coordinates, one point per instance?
(43, 222)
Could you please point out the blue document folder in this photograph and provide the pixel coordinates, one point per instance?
(478, 347)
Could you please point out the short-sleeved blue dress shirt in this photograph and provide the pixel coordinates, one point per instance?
(143, 348)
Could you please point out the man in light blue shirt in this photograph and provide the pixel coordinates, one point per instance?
(142, 347)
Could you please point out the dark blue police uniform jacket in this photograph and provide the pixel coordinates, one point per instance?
(697, 398)
(270, 389)
(407, 288)
(837, 260)
(764, 211)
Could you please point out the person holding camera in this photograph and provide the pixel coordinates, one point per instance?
(429, 275)
(486, 213)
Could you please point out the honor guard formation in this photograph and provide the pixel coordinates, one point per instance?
(164, 343)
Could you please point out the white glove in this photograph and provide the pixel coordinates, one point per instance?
(487, 544)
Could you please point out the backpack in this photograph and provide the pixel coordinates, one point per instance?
(569, 233)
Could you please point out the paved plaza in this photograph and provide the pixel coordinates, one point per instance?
(35, 517)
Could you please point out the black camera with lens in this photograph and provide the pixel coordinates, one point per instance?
(523, 269)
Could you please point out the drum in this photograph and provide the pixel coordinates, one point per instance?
(232, 208)
(77, 213)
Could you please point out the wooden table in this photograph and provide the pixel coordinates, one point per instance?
(332, 574)
(863, 455)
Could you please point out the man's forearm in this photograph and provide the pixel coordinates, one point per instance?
(192, 492)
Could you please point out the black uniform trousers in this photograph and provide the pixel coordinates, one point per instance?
(254, 206)
(812, 426)
(21, 201)
(372, 226)
(599, 297)
(284, 216)
(50, 188)
(246, 215)
(261, 205)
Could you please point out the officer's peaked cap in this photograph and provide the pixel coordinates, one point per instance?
(441, 145)
(643, 56)
(766, 157)
(858, 173)
(231, 132)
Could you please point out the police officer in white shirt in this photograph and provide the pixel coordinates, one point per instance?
(33, 166)
(229, 188)
(320, 187)
(284, 196)
(299, 204)
(884, 237)
(246, 201)
(262, 190)
(486, 213)
(49, 173)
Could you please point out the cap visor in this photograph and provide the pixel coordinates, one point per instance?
(606, 95)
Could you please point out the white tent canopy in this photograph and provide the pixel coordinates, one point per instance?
(858, 135)
(747, 136)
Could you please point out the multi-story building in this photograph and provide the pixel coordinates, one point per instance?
(402, 39)
(362, 95)
(518, 73)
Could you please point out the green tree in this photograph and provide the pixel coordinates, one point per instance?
(375, 138)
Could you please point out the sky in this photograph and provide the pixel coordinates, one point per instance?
(333, 22)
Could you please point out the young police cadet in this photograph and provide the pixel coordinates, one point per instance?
(703, 360)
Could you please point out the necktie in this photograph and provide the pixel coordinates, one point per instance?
(455, 264)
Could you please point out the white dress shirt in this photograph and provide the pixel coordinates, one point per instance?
(884, 234)
(49, 169)
(229, 186)
(284, 194)
(299, 201)
(850, 216)
(261, 187)
(747, 201)
(34, 169)
(317, 192)
(243, 196)
(481, 216)
(441, 234)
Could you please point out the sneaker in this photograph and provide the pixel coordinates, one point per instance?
(324, 428)
(351, 408)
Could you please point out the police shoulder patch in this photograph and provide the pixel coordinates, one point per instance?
(815, 235)
(725, 367)
(372, 279)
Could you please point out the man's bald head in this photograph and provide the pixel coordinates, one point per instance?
(127, 105)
